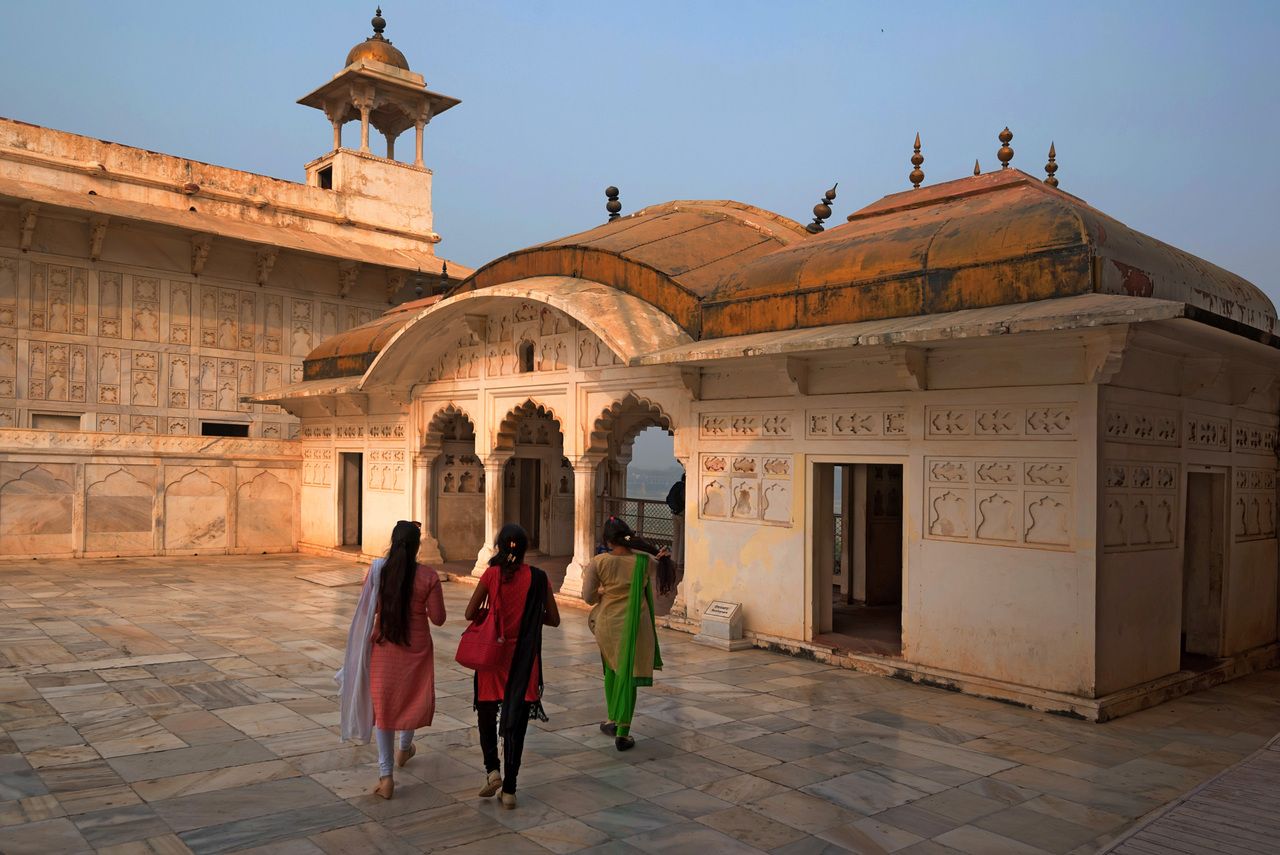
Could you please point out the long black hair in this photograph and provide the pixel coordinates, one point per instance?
(512, 542)
(618, 533)
(395, 588)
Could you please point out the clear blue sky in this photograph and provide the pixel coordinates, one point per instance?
(1166, 115)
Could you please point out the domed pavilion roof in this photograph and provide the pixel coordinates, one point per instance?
(377, 47)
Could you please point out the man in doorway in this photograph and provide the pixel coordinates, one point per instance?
(675, 501)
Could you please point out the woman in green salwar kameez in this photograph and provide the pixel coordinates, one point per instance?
(616, 582)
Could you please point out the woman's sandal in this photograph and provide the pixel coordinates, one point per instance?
(492, 784)
(405, 755)
(386, 788)
(509, 801)
(624, 743)
(608, 728)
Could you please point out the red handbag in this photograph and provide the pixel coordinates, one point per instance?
(481, 645)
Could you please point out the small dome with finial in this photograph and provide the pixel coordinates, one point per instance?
(378, 47)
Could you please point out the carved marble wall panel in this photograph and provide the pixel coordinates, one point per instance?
(755, 488)
(1140, 505)
(1145, 425)
(264, 511)
(1211, 432)
(273, 324)
(1008, 501)
(36, 502)
(8, 367)
(109, 303)
(386, 470)
(771, 425)
(144, 378)
(119, 508)
(855, 422)
(145, 309)
(317, 467)
(8, 292)
(1001, 421)
(195, 510)
(1253, 504)
(59, 299)
(302, 318)
(1254, 438)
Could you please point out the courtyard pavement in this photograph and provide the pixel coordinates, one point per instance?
(173, 705)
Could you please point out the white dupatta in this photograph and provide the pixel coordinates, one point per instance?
(355, 701)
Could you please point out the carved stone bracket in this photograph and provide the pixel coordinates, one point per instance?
(401, 396)
(395, 282)
(27, 223)
(797, 371)
(1104, 354)
(97, 234)
(1200, 373)
(1245, 384)
(912, 366)
(352, 405)
(264, 260)
(200, 245)
(347, 272)
(691, 379)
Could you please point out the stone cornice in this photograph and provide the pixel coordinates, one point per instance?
(22, 442)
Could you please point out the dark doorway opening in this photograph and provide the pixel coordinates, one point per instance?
(1203, 564)
(529, 504)
(858, 558)
(351, 498)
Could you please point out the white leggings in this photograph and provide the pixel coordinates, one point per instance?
(385, 753)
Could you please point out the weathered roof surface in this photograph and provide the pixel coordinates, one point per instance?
(350, 353)
(995, 239)
(669, 255)
(294, 239)
(1066, 313)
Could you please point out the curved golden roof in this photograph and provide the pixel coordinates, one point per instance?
(720, 268)
(995, 239)
(378, 49)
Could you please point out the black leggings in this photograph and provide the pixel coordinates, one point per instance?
(512, 745)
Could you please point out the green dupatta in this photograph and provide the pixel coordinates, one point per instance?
(620, 686)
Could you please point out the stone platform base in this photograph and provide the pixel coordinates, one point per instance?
(1101, 709)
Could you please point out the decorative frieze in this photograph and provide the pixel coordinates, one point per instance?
(1253, 438)
(1140, 505)
(461, 475)
(1144, 425)
(1253, 506)
(1010, 502)
(389, 430)
(855, 423)
(754, 488)
(314, 432)
(1002, 421)
(767, 425)
(1211, 432)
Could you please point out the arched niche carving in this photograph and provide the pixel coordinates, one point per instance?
(36, 508)
(195, 513)
(264, 513)
(119, 511)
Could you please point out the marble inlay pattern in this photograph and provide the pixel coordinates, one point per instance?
(162, 707)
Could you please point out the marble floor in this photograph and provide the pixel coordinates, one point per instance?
(174, 705)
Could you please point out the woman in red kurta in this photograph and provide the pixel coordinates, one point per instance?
(402, 676)
(509, 582)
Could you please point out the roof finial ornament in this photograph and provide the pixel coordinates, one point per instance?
(613, 206)
(822, 210)
(1005, 153)
(977, 170)
(379, 23)
(917, 159)
(1051, 167)
(417, 283)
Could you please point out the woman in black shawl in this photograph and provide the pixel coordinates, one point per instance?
(514, 688)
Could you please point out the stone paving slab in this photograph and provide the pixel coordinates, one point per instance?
(157, 706)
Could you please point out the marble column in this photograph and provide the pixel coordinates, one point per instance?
(418, 127)
(337, 135)
(584, 522)
(424, 506)
(494, 487)
(364, 125)
(391, 146)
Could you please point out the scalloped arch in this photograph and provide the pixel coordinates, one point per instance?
(506, 434)
(603, 429)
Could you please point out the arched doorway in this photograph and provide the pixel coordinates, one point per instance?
(456, 484)
(638, 471)
(537, 481)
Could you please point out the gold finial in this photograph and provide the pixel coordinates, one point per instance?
(1051, 167)
(917, 174)
(1005, 154)
(977, 170)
